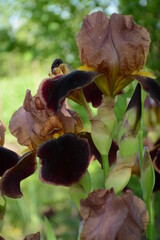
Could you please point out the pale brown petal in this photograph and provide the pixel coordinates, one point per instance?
(34, 123)
(20, 125)
(107, 216)
(103, 215)
(116, 46)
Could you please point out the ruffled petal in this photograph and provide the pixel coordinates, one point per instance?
(116, 46)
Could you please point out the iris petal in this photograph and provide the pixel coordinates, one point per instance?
(93, 94)
(8, 159)
(151, 86)
(64, 160)
(54, 91)
(10, 181)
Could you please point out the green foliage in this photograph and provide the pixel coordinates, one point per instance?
(41, 31)
(2, 210)
(49, 230)
(80, 190)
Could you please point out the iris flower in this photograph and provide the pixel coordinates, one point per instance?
(114, 53)
(117, 48)
(52, 131)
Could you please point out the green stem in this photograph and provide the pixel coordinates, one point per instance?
(149, 232)
(105, 163)
(140, 134)
(140, 144)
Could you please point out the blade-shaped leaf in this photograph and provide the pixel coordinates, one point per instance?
(49, 230)
(2, 209)
(77, 193)
(85, 182)
(81, 189)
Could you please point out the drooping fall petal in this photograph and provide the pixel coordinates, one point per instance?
(64, 160)
(10, 181)
(93, 94)
(155, 155)
(55, 90)
(116, 46)
(8, 159)
(106, 216)
(151, 86)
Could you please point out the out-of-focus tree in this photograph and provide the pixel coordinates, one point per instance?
(41, 29)
(146, 13)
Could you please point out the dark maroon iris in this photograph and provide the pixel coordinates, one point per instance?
(54, 91)
(93, 94)
(64, 160)
(14, 173)
(8, 159)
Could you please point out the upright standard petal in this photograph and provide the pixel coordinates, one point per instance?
(63, 160)
(115, 46)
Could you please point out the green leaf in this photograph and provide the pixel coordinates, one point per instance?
(147, 175)
(77, 193)
(85, 182)
(2, 210)
(49, 230)
(120, 107)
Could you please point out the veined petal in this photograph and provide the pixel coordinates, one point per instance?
(107, 216)
(115, 46)
(63, 160)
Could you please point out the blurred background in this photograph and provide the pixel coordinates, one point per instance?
(32, 34)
